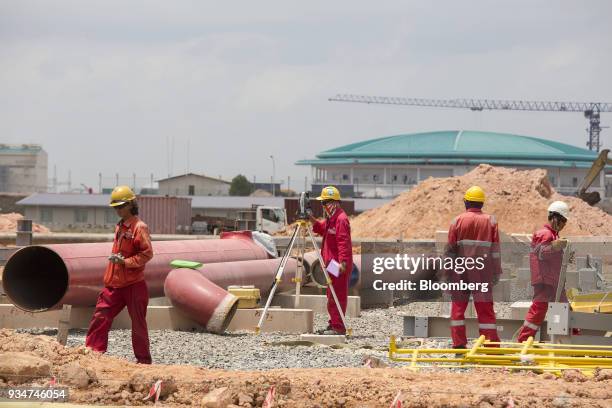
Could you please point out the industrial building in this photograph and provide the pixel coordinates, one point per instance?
(23, 168)
(70, 212)
(192, 184)
(387, 166)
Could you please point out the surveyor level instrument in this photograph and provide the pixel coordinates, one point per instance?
(302, 231)
(530, 355)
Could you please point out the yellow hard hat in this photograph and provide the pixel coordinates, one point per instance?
(121, 195)
(475, 193)
(329, 193)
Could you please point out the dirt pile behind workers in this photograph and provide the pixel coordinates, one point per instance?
(8, 223)
(517, 198)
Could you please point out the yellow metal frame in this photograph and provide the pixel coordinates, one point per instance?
(600, 302)
(529, 355)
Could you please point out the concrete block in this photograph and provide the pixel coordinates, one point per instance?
(508, 271)
(158, 318)
(328, 340)
(371, 297)
(317, 303)
(571, 280)
(518, 310)
(277, 320)
(525, 262)
(588, 280)
(502, 292)
(523, 275)
(159, 301)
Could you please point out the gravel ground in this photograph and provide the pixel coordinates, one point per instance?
(246, 351)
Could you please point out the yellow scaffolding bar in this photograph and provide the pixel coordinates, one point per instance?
(529, 355)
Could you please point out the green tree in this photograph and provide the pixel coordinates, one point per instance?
(240, 186)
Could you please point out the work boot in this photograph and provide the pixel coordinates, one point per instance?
(322, 331)
(334, 332)
(460, 355)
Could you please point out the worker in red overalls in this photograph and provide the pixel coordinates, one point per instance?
(474, 235)
(337, 245)
(545, 260)
(124, 283)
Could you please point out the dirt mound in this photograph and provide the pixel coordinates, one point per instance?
(99, 379)
(517, 198)
(8, 223)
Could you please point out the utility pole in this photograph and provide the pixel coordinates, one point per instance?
(273, 176)
(100, 183)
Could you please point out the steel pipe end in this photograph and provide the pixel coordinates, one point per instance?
(35, 278)
(223, 314)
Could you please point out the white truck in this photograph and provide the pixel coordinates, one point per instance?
(262, 218)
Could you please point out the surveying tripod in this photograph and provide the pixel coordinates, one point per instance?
(302, 231)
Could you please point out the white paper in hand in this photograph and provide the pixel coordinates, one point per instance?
(334, 268)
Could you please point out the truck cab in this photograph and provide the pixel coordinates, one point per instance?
(262, 218)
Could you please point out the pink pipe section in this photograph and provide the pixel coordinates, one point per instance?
(260, 273)
(201, 295)
(200, 299)
(38, 278)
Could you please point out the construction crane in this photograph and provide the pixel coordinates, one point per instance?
(591, 110)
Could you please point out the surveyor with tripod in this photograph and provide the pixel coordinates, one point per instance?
(337, 247)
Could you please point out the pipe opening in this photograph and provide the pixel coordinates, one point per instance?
(35, 278)
(229, 317)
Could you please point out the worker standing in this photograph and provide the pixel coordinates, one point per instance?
(545, 259)
(337, 246)
(124, 283)
(474, 235)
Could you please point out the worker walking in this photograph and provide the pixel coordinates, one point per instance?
(474, 235)
(545, 259)
(337, 246)
(124, 283)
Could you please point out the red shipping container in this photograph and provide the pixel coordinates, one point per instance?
(166, 215)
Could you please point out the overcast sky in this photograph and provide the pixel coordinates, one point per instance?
(116, 86)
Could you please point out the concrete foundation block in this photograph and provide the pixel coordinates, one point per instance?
(158, 318)
(518, 310)
(502, 292)
(371, 297)
(316, 303)
(508, 271)
(277, 320)
(160, 301)
(523, 275)
(328, 340)
(571, 280)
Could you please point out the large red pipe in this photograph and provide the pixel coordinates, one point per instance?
(38, 278)
(201, 294)
(259, 273)
(200, 299)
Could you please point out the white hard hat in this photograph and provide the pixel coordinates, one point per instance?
(560, 208)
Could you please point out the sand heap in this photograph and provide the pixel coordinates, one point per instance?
(8, 223)
(518, 198)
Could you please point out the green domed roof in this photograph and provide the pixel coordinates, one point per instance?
(458, 147)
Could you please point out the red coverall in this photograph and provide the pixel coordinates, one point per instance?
(337, 244)
(474, 234)
(545, 264)
(124, 285)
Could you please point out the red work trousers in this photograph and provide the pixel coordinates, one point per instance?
(341, 286)
(486, 320)
(111, 301)
(542, 294)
